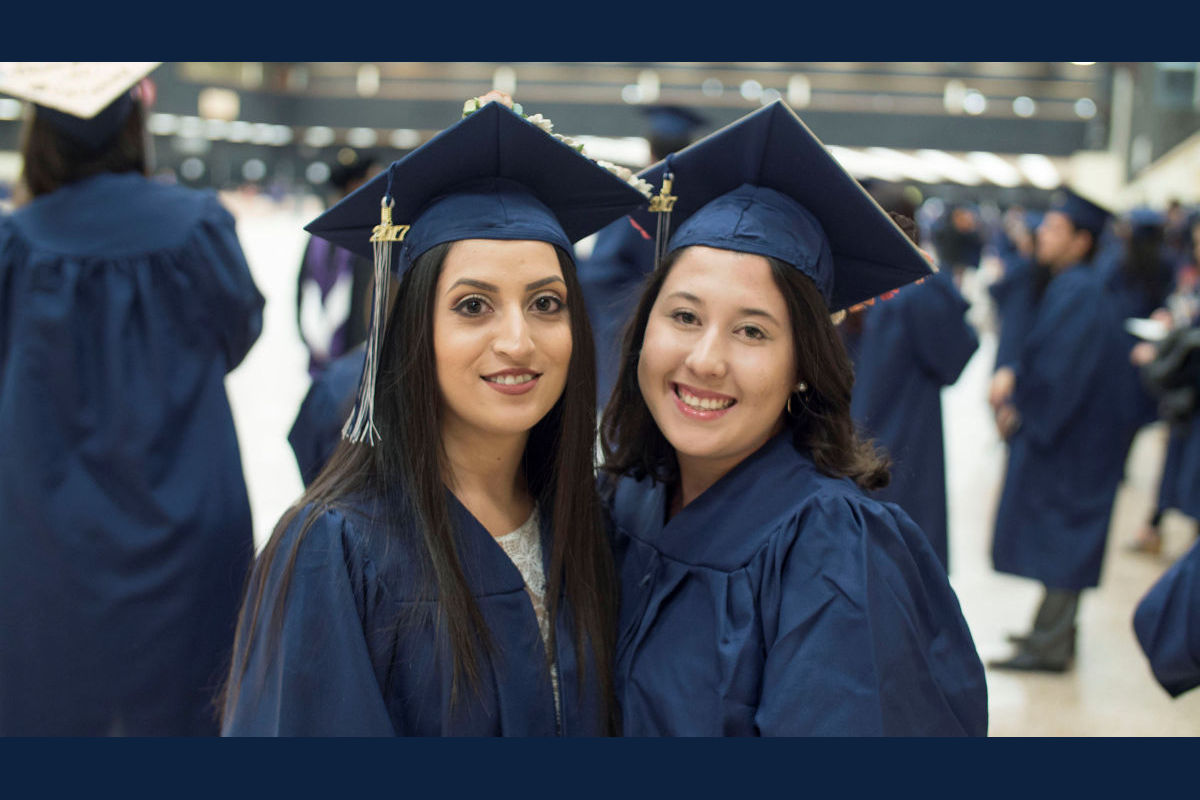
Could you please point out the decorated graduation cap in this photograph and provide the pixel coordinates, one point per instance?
(1083, 213)
(766, 185)
(87, 101)
(496, 174)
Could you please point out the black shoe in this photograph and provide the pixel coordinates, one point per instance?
(1026, 661)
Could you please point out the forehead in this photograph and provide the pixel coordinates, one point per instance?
(725, 277)
(1057, 219)
(500, 261)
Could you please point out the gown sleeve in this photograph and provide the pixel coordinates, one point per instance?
(316, 677)
(864, 635)
(1167, 625)
(226, 289)
(1013, 296)
(943, 341)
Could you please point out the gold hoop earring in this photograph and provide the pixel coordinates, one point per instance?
(788, 405)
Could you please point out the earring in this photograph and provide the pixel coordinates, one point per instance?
(801, 387)
(788, 406)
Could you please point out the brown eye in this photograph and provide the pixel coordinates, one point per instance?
(471, 306)
(685, 317)
(548, 304)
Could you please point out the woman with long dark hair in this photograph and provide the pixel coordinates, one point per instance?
(762, 591)
(448, 572)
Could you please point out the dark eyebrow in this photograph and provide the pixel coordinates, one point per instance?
(529, 287)
(488, 287)
(744, 312)
(757, 312)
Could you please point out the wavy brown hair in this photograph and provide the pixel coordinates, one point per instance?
(559, 458)
(820, 421)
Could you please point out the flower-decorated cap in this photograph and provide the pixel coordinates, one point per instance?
(766, 185)
(495, 174)
(492, 175)
(1083, 213)
(87, 101)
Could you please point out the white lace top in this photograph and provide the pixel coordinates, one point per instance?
(524, 547)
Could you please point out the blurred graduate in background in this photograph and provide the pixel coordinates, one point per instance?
(905, 349)
(126, 533)
(1066, 422)
(334, 285)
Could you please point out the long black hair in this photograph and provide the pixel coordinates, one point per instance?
(819, 419)
(559, 459)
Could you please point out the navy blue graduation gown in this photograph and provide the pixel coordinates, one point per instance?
(1013, 296)
(612, 278)
(1167, 625)
(1179, 487)
(358, 654)
(1067, 458)
(317, 429)
(782, 602)
(1133, 300)
(126, 533)
(911, 346)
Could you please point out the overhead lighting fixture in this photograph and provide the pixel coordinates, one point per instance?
(751, 89)
(317, 172)
(995, 169)
(504, 79)
(404, 138)
(362, 137)
(974, 103)
(711, 87)
(10, 108)
(799, 91)
(648, 86)
(1040, 170)
(1085, 108)
(162, 124)
(953, 95)
(366, 81)
(912, 167)
(955, 169)
(240, 131)
(318, 136)
(1024, 106)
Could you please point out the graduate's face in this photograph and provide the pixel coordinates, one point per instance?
(1059, 243)
(501, 336)
(718, 360)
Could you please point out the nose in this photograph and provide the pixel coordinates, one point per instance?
(513, 338)
(707, 358)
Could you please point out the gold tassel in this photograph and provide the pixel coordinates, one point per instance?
(360, 427)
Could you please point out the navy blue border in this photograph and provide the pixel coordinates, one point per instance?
(610, 31)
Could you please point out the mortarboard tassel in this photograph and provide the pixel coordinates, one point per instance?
(662, 204)
(360, 427)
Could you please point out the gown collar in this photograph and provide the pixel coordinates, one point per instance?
(729, 521)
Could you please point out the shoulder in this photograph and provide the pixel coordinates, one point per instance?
(840, 532)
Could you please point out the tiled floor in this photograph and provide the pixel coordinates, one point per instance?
(1109, 693)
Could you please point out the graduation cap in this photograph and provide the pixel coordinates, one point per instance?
(87, 101)
(766, 185)
(1083, 213)
(493, 175)
(1142, 217)
(673, 122)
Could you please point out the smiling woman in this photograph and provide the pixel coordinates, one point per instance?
(763, 591)
(448, 572)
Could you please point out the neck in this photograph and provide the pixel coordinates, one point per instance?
(487, 476)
